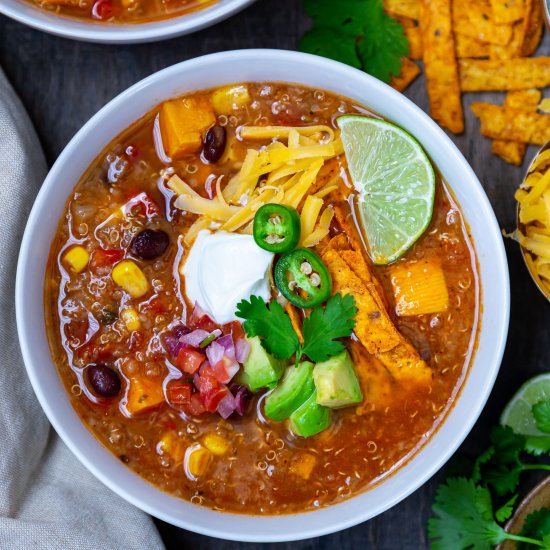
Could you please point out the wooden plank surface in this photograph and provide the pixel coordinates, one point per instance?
(63, 83)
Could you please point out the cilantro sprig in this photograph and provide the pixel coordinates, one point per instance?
(463, 516)
(321, 330)
(357, 32)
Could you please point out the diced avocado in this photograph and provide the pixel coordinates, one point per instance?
(310, 418)
(336, 382)
(261, 370)
(295, 387)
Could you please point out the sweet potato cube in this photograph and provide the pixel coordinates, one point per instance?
(183, 123)
(302, 465)
(144, 393)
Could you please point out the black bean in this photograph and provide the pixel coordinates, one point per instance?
(150, 244)
(214, 143)
(103, 380)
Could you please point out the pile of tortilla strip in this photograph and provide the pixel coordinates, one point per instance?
(479, 46)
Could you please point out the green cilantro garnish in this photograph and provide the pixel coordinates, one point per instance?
(537, 526)
(321, 329)
(541, 412)
(357, 32)
(463, 519)
(271, 323)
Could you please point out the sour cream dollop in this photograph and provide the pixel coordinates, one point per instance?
(224, 268)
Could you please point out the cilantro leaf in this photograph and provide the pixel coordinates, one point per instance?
(505, 511)
(331, 43)
(270, 323)
(537, 445)
(541, 412)
(383, 44)
(323, 326)
(357, 32)
(463, 518)
(536, 526)
(500, 466)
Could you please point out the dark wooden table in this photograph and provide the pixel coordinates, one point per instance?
(62, 83)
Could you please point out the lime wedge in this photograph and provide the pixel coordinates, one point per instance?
(517, 413)
(395, 181)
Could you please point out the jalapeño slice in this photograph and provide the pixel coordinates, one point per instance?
(276, 228)
(302, 278)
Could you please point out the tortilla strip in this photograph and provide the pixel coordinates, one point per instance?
(501, 122)
(378, 387)
(403, 8)
(414, 37)
(485, 75)
(533, 27)
(295, 320)
(507, 11)
(440, 64)
(514, 47)
(409, 71)
(512, 151)
(374, 328)
(474, 18)
(469, 47)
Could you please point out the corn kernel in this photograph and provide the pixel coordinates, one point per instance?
(129, 276)
(225, 100)
(216, 444)
(197, 459)
(131, 319)
(76, 258)
(169, 444)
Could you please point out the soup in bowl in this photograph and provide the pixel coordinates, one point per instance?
(264, 297)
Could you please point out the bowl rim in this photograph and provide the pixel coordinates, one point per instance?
(273, 527)
(76, 29)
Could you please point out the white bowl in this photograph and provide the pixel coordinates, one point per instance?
(206, 72)
(29, 14)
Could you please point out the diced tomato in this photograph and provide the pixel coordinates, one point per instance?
(77, 329)
(235, 329)
(202, 320)
(206, 381)
(195, 406)
(141, 204)
(103, 9)
(102, 257)
(211, 399)
(170, 425)
(224, 370)
(189, 360)
(180, 394)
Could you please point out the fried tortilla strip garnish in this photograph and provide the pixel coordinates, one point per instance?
(414, 36)
(507, 11)
(374, 328)
(513, 151)
(377, 384)
(441, 64)
(501, 122)
(409, 71)
(485, 75)
(475, 18)
(468, 47)
(295, 320)
(533, 27)
(403, 8)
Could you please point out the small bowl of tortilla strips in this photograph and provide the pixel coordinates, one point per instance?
(533, 218)
(481, 46)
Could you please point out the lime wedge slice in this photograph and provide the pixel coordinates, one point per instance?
(517, 413)
(395, 181)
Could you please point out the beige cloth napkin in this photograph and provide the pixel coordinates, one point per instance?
(47, 498)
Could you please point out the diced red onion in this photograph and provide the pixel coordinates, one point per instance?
(215, 352)
(194, 339)
(242, 398)
(227, 405)
(242, 350)
(172, 341)
(232, 370)
(228, 346)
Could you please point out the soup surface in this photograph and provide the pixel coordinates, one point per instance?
(126, 337)
(123, 11)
